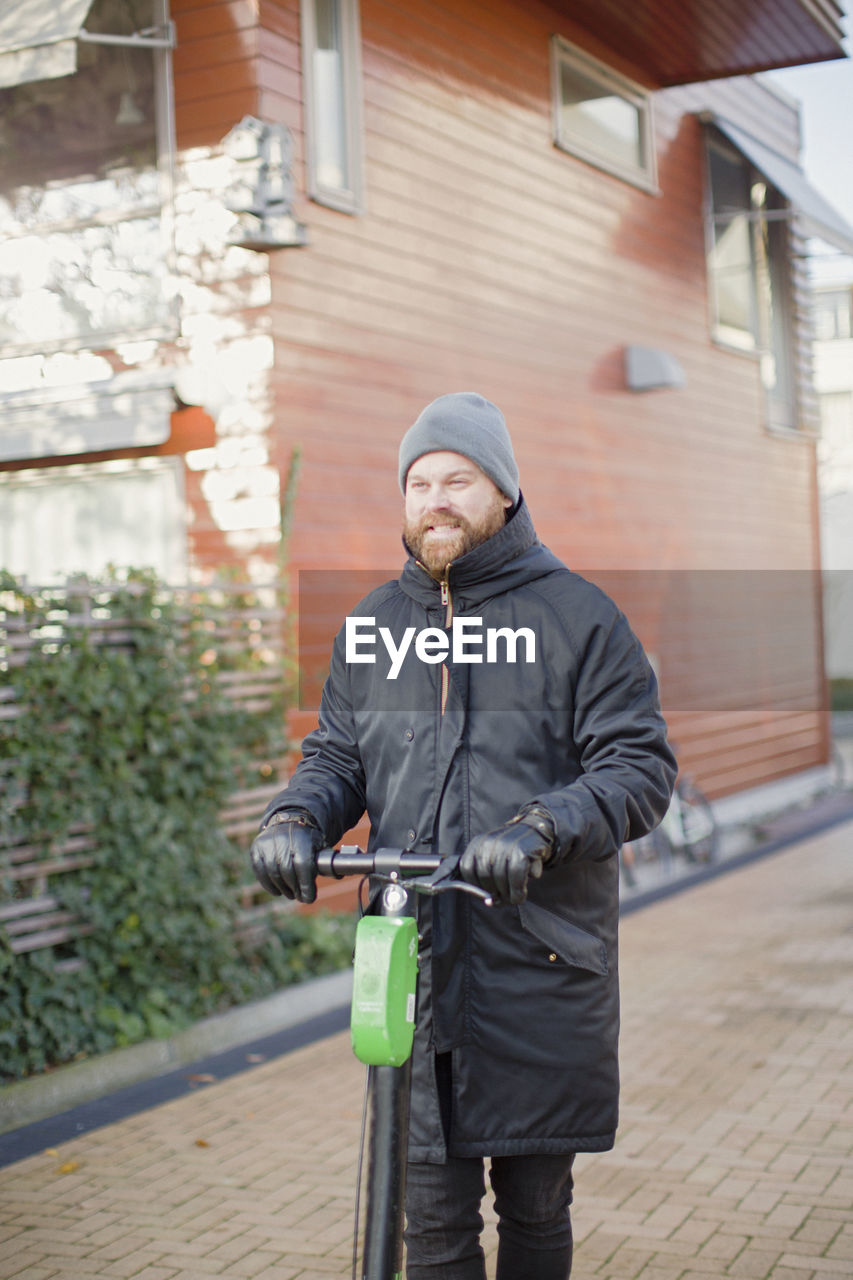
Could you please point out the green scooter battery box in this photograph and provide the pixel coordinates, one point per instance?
(383, 998)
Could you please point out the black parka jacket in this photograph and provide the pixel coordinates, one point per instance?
(524, 999)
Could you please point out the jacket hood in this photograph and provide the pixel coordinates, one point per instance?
(512, 556)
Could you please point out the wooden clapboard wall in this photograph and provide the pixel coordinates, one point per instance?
(488, 259)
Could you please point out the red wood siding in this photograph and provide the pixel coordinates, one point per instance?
(215, 67)
(489, 260)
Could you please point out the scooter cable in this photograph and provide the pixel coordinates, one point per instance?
(358, 1174)
(362, 909)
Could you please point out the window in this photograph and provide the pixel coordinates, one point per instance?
(140, 504)
(833, 314)
(83, 257)
(836, 428)
(749, 272)
(331, 49)
(601, 116)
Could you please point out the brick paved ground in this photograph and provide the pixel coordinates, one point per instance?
(735, 1155)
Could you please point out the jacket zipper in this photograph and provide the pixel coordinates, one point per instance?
(447, 601)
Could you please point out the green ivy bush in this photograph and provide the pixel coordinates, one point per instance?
(137, 744)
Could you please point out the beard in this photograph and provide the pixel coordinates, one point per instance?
(459, 535)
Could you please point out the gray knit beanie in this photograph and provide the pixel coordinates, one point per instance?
(463, 422)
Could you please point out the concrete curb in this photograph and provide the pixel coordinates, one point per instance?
(46, 1095)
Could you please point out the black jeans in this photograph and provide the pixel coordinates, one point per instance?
(443, 1220)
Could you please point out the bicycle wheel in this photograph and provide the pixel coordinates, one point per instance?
(661, 848)
(700, 832)
(838, 767)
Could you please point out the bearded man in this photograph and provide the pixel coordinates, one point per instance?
(534, 772)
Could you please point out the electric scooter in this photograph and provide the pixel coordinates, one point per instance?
(382, 1026)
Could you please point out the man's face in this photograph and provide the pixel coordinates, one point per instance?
(451, 507)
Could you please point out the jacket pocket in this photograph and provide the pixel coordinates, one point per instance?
(577, 947)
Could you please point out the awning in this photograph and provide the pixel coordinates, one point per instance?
(131, 411)
(38, 39)
(817, 215)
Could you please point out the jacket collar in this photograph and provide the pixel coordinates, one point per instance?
(510, 557)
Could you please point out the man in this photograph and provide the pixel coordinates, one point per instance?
(510, 716)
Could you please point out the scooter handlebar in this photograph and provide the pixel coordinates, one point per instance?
(350, 860)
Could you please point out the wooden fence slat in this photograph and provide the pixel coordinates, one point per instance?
(15, 928)
(49, 938)
(73, 844)
(51, 866)
(27, 906)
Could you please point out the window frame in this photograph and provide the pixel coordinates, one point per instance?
(349, 197)
(161, 208)
(839, 314)
(618, 85)
(771, 284)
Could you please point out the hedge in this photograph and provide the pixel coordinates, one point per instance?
(123, 728)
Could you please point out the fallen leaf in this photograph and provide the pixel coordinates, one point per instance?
(70, 1166)
(201, 1077)
(51, 1151)
(256, 1057)
(201, 1142)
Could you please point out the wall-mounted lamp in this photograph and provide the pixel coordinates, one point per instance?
(262, 190)
(128, 112)
(649, 369)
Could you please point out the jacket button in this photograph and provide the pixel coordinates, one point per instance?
(410, 733)
(411, 836)
(552, 957)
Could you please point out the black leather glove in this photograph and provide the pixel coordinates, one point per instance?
(502, 861)
(284, 855)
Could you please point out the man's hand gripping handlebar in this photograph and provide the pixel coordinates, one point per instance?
(425, 873)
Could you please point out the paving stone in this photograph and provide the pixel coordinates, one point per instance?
(754, 1263)
(155, 1273)
(255, 1263)
(23, 1261)
(841, 1247)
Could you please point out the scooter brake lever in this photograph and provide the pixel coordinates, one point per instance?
(445, 878)
(462, 886)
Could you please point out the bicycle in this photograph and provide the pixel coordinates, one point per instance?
(382, 1029)
(689, 828)
(690, 825)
